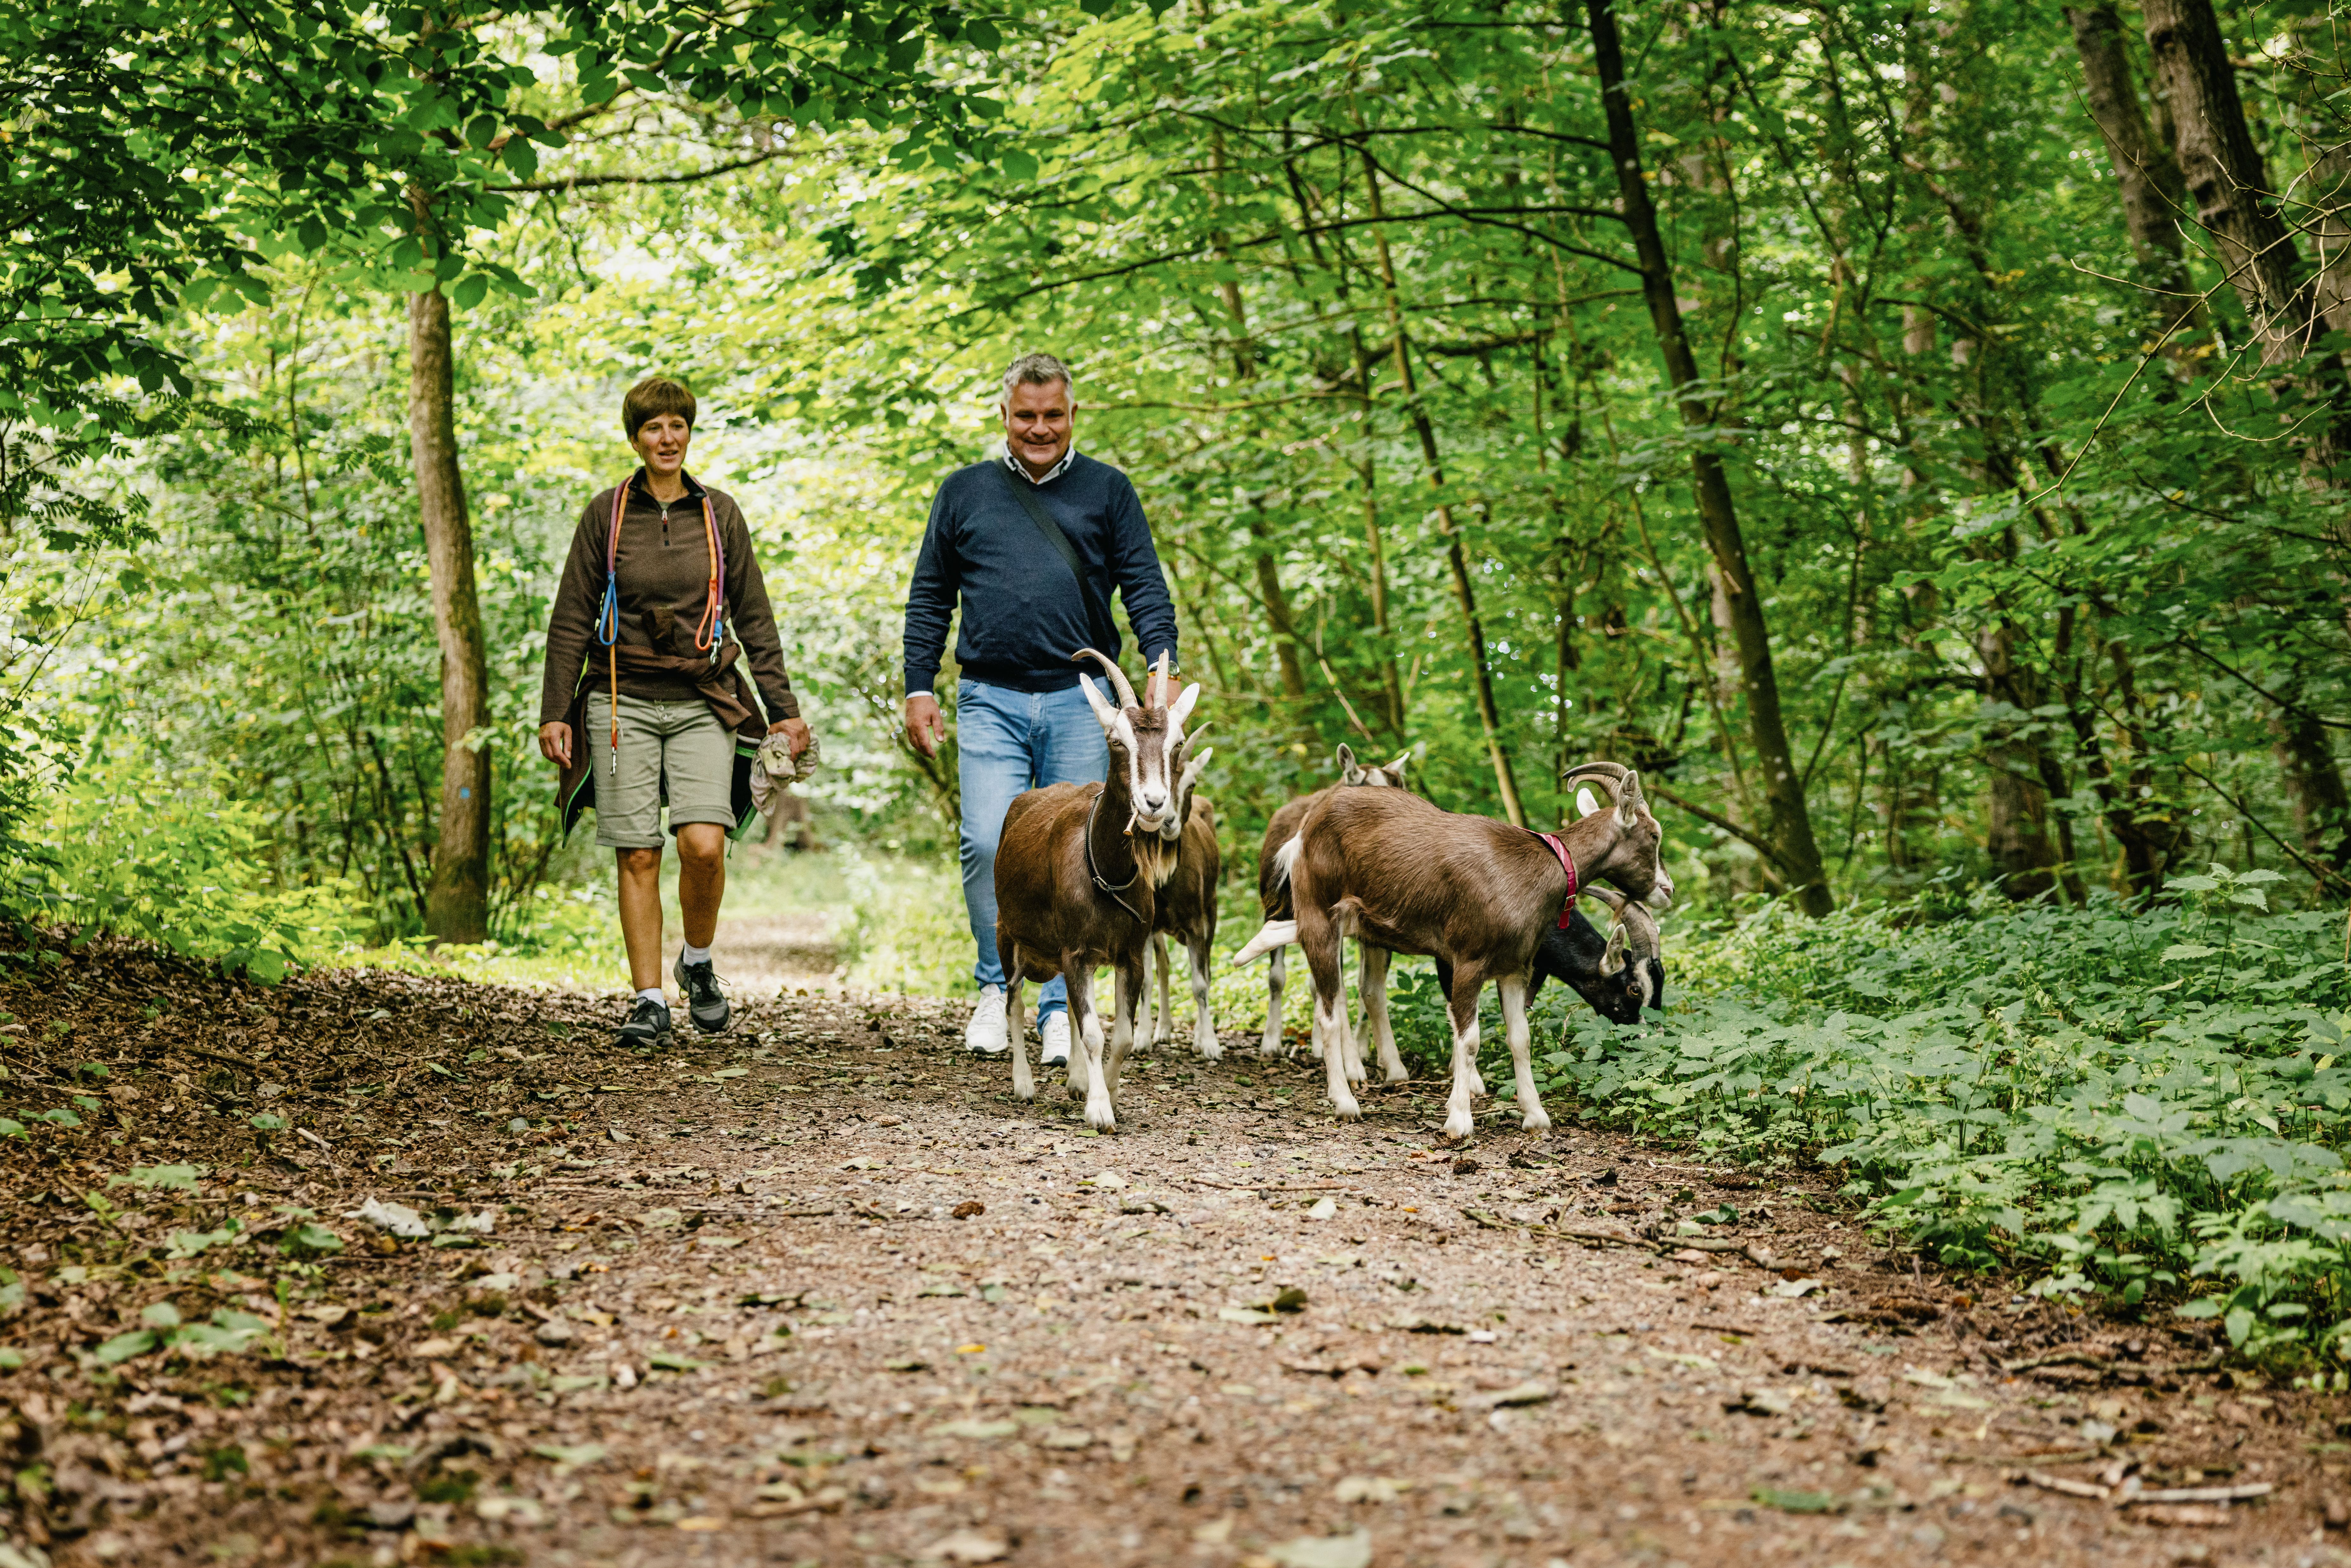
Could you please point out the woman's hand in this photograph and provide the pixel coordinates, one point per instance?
(795, 732)
(555, 743)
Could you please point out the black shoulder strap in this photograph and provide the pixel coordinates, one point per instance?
(1105, 630)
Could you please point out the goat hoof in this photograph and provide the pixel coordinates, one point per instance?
(1536, 1122)
(1402, 1075)
(1459, 1126)
(1347, 1110)
(1101, 1118)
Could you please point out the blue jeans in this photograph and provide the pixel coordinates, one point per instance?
(1008, 742)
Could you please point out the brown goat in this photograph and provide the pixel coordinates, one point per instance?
(1078, 874)
(1392, 870)
(1274, 895)
(1187, 910)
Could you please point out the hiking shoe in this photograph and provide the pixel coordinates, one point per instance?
(985, 1034)
(1055, 1034)
(648, 1025)
(705, 1004)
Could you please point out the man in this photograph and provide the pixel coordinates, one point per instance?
(1032, 543)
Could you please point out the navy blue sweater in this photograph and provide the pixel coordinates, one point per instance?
(1022, 615)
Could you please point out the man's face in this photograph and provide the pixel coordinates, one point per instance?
(1037, 420)
(661, 442)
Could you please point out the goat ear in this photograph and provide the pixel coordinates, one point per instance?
(1396, 767)
(1613, 959)
(1629, 800)
(1586, 803)
(1095, 700)
(1192, 770)
(1181, 709)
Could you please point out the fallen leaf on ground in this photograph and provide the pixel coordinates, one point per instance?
(967, 1546)
(395, 1219)
(1325, 1551)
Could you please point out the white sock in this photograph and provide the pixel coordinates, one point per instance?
(693, 955)
(654, 994)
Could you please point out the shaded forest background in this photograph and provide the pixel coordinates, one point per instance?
(1910, 434)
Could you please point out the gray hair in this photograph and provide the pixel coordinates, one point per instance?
(1035, 369)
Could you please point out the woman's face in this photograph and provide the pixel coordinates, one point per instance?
(661, 441)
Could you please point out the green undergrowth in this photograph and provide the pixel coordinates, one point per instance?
(176, 858)
(2145, 1104)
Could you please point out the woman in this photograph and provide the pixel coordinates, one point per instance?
(645, 699)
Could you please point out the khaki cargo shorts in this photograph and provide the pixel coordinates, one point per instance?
(674, 752)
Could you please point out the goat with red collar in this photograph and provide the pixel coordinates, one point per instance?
(1391, 869)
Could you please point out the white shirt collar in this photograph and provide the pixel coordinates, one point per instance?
(1055, 472)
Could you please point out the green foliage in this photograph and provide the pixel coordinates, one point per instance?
(171, 856)
(2151, 1104)
(230, 1333)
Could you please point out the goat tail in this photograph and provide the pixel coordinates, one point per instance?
(1276, 934)
(1286, 858)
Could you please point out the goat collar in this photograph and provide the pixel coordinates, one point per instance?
(1091, 811)
(1567, 865)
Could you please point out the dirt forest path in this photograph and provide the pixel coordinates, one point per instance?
(821, 1292)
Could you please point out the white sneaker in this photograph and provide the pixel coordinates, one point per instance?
(984, 1035)
(1056, 1036)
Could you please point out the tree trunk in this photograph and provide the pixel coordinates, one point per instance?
(2314, 782)
(1390, 682)
(2155, 197)
(1277, 614)
(457, 908)
(1488, 716)
(1783, 789)
(2017, 827)
(2225, 177)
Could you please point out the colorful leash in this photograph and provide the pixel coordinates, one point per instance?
(608, 618)
(714, 605)
(1567, 865)
(709, 633)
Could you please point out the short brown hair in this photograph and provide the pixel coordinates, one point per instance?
(653, 397)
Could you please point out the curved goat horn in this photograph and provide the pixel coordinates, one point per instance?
(1117, 676)
(1156, 682)
(1621, 783)
(1607, 895)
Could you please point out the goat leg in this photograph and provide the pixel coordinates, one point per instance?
(1204, 1013)
(1162, 1030)
(1520, 1038)
(1143, 1028)
(1319, 938)
(1086, 1049)
(1024, 1084)
(1458, 1121)
(1271, 1044)
(1073, 1072)
(1131, 990)
(1377, 1027)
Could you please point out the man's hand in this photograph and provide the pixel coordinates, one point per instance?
(924, 729)
(795, 732)
(555, 743)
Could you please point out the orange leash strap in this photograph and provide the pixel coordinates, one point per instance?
(711, 630)
(608, 618)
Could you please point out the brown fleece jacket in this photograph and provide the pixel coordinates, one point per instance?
(665, 573)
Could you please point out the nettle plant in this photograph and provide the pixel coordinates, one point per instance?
(2145, 1103)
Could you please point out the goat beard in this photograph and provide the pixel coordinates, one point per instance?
(1154, 857)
